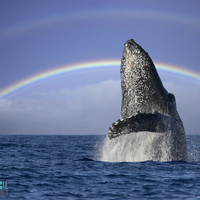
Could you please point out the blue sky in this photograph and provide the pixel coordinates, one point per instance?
(41, 35)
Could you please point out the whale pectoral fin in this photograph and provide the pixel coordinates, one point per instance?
(141, 122)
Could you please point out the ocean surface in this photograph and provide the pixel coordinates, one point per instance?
(71, 167)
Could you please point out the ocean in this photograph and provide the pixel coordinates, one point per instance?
(71, 167)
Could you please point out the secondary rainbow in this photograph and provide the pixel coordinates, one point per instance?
(103, 65)
(110, 14)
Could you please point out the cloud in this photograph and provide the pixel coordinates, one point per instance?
(86, 110)
(89, 109)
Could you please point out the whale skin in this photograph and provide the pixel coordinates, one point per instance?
(146, 104)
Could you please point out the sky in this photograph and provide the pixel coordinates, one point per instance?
(42, 36)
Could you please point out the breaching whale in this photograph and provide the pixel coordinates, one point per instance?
(146, 104)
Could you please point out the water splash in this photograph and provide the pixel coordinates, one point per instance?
(137, 147)
(193, 142)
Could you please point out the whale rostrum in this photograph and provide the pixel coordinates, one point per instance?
(146, 104)
(142, 89)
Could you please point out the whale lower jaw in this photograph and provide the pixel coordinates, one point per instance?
(141, 122)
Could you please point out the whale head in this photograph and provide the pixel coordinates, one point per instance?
(142, 89)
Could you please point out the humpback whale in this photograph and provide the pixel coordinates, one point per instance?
(146, 104)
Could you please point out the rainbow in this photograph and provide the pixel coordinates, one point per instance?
(105, 65)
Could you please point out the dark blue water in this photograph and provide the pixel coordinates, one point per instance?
(67, 167)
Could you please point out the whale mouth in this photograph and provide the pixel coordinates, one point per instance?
(139, 123)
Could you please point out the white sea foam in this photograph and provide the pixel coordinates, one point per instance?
(137, 147)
